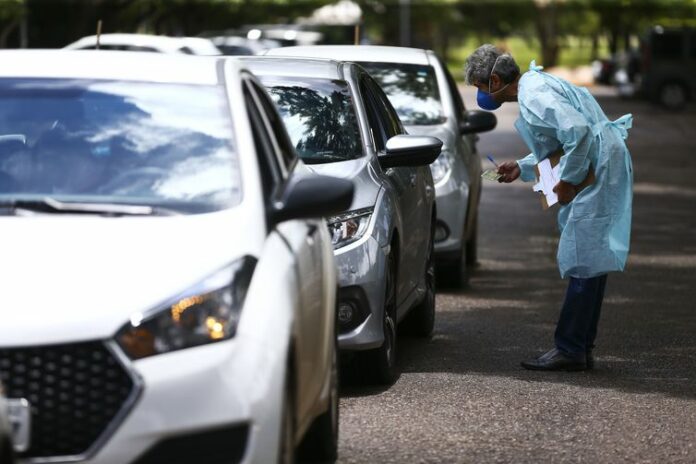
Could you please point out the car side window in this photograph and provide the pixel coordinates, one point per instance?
(376, 126)
(389, 116)
(271, 173)
(459, 107)
(286, 149)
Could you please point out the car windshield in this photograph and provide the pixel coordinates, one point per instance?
(134, 143)
(319, 116)
(411, 89)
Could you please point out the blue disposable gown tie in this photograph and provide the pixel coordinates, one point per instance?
(596, 226)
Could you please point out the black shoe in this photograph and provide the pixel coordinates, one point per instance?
(555, 360)
(589, 359)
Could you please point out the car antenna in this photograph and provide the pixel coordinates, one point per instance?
(99, 29)
(356, 35)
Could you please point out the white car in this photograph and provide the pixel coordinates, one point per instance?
(169, 293)
(147, 43)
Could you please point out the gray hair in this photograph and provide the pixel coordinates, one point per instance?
(479, 65)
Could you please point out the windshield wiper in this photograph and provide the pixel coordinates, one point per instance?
(51, 205)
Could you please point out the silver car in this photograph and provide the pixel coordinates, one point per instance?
(428, 102)
(343, 125)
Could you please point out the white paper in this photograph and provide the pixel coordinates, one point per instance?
(548, 178)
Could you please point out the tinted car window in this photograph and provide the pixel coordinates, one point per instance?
(319, 116)
(389, 116)
(412, 90)
(118, 142)
(287, 152)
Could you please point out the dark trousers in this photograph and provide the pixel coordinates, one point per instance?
(577, 326)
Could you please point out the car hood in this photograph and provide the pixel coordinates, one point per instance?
(440, 131)
(362, 175)
(71, 278)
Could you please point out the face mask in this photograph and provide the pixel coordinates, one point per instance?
(485, 100)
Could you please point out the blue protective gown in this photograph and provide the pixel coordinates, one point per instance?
(596, 226)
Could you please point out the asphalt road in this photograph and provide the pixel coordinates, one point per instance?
(462, 396)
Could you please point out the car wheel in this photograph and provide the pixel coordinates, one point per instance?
(673, 95)
(455, 273)
(286, 451)
(380, 364)
(472, 246)
(421, 320)
(321, 441)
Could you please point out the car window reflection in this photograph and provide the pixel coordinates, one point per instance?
(107, 141)
(319, 117)
(411, 89)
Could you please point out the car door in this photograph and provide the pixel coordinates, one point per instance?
(411, 186)
(313, 322)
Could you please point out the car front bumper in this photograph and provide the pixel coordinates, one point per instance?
(361, 272)
(451, 202)
(200, 391)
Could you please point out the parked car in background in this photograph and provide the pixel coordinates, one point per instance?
(7, 455)
(427, 100)
(233, 45)
(603, 70)
(147, 43)
(342, 124)
(187, 301)
(668, 66)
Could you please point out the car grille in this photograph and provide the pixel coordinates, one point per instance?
(75, 391)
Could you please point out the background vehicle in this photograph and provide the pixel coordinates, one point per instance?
(233, 45)
(427, 100)
(342, 124)
(147, 43)
(188, 287)
(669, 63)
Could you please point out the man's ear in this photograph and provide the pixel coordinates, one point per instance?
(496, 82)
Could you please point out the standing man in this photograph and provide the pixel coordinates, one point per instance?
(595, 221)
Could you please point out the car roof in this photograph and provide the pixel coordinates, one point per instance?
(372, 53)
(112, 65)
(169, 44)
(321, 68)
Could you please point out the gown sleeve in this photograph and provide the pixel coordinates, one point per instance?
(526, 164)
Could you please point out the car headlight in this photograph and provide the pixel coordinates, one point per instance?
(207, 313)
(349, 227)
(441, 168)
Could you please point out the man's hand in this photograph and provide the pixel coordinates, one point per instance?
(565, 191)
(509, 171)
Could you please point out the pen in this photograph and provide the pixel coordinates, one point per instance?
(490, 158)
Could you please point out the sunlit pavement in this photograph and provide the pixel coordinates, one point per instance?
(462, 396)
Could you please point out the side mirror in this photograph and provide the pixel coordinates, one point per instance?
(478, 121)
(313, 196)
(410, 150)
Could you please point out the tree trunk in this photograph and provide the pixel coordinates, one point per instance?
(547, 31)
(7, 30)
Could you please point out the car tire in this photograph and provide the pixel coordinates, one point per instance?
(320, 444)
(421, 321)
(673, 95)
(472, 246)
(286, 448)
(455, 273)
(379, 365)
